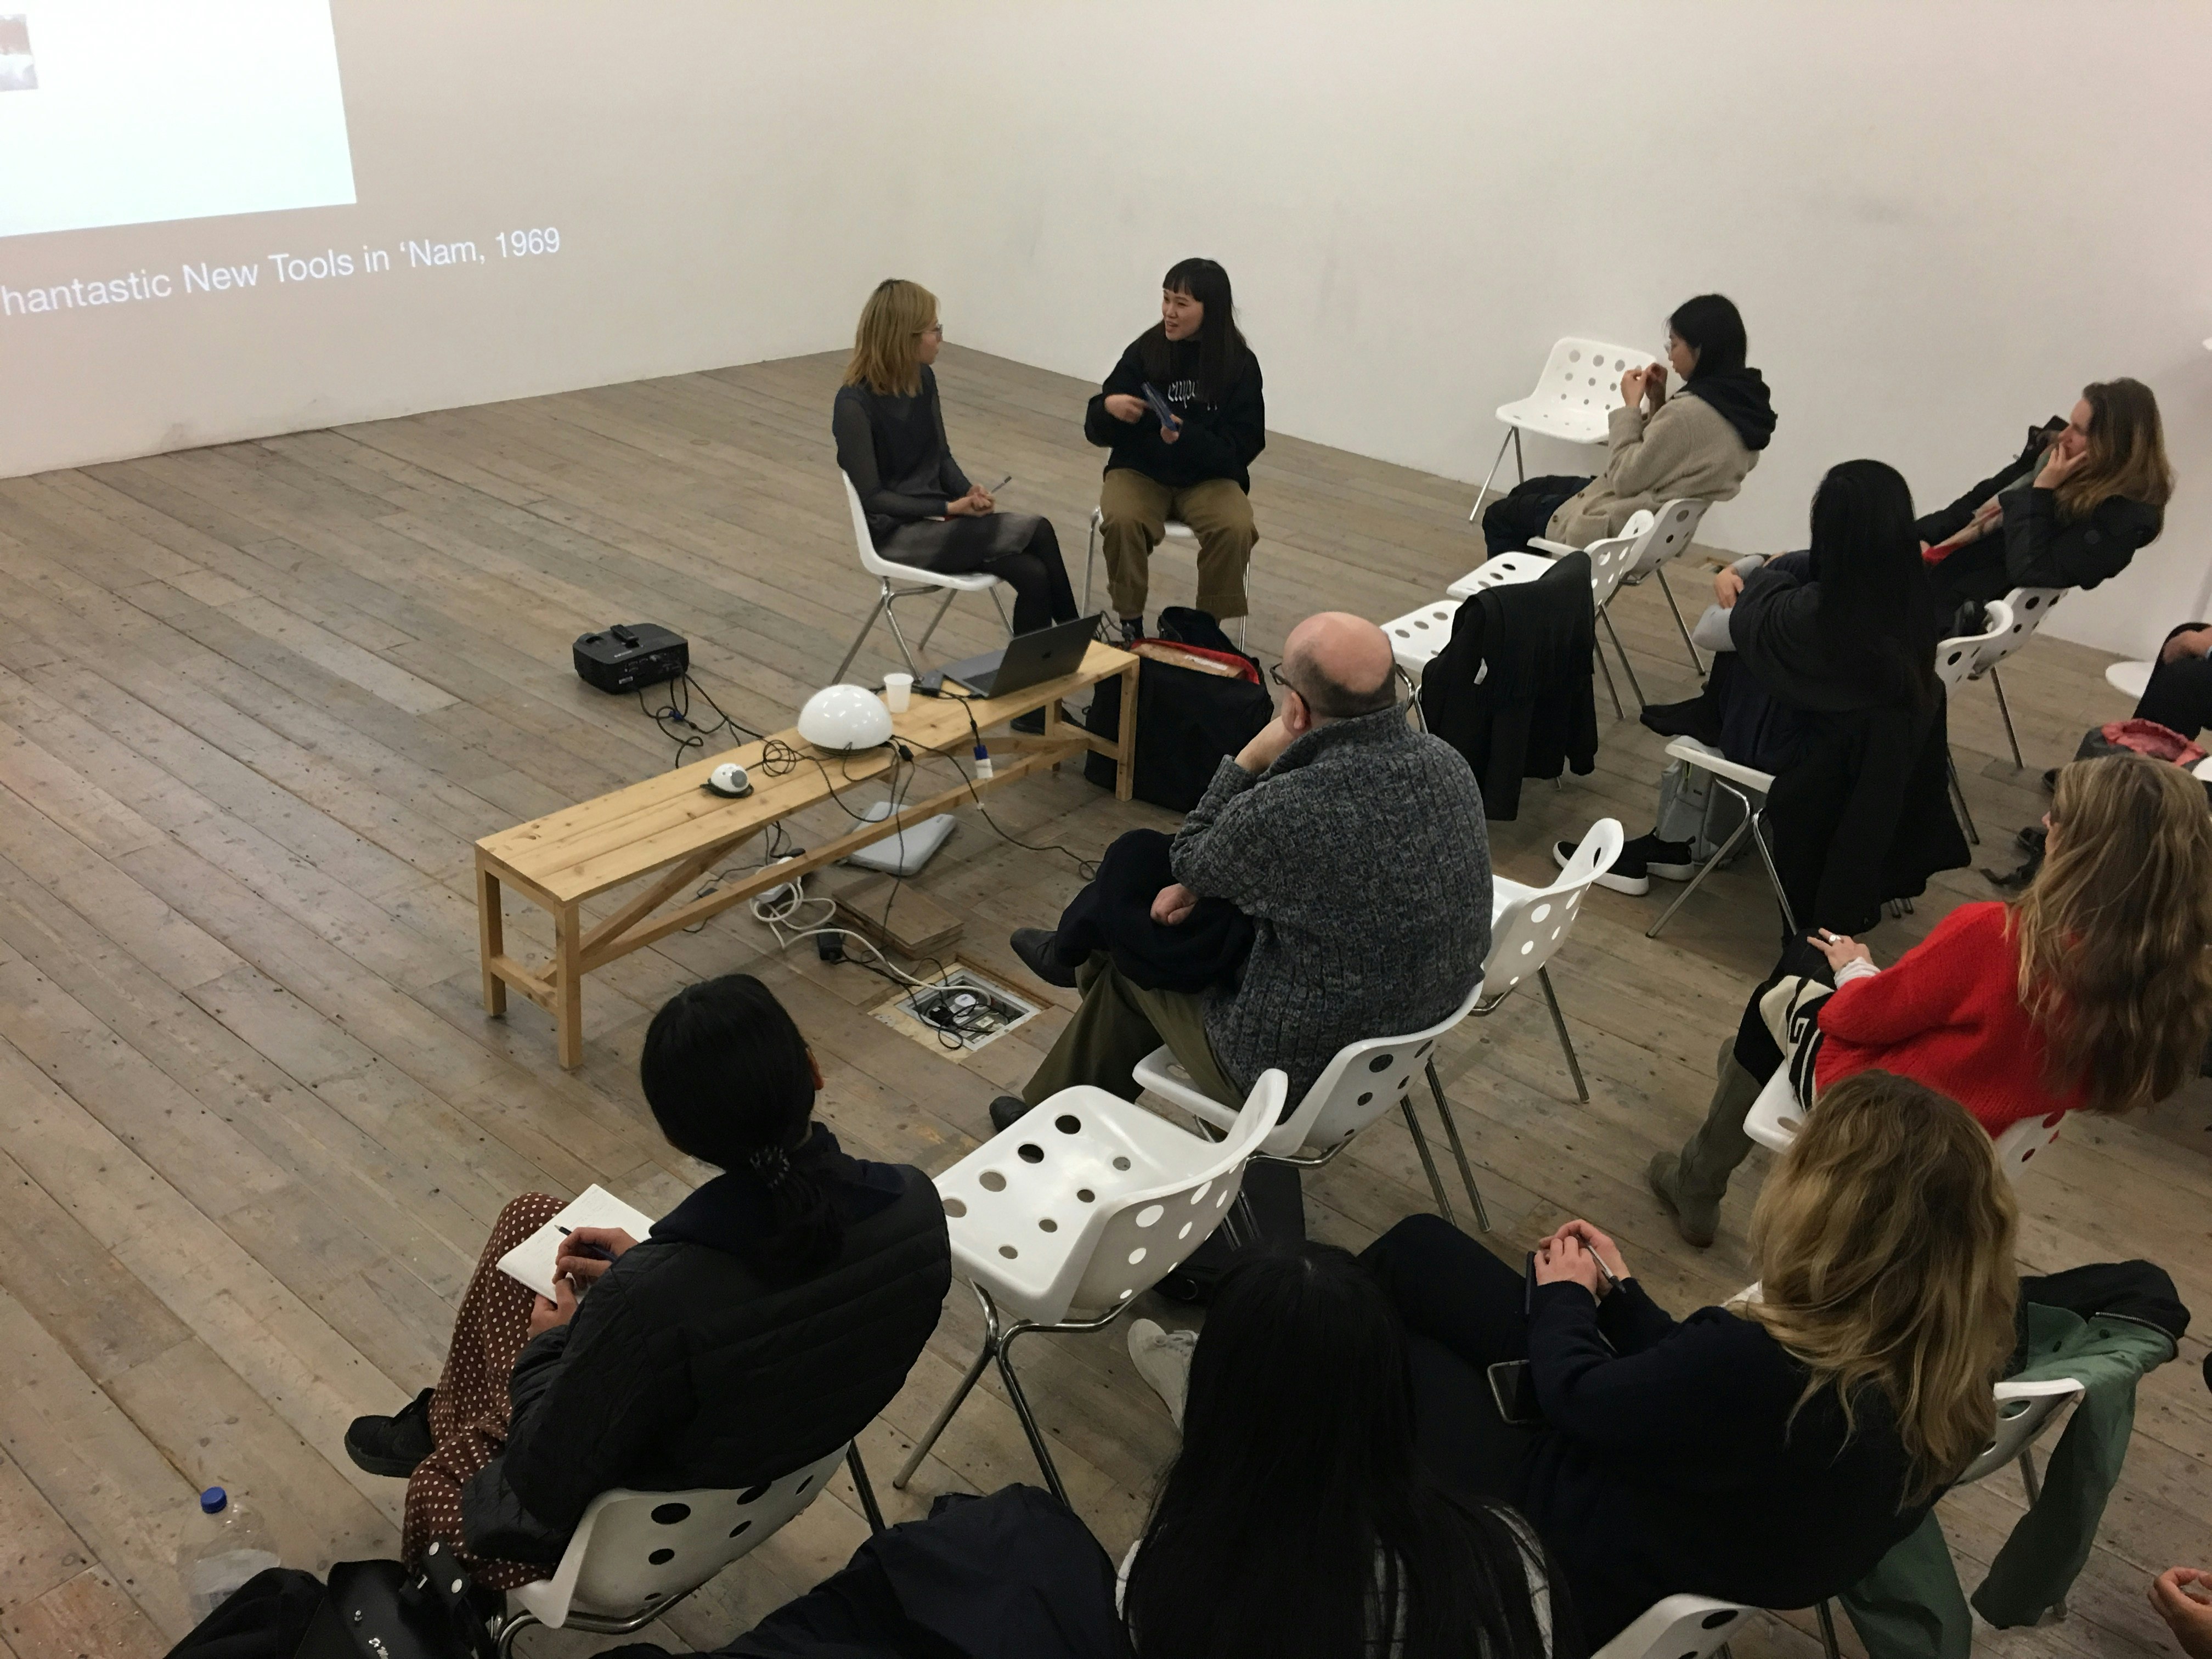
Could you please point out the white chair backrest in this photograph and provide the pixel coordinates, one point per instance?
(871, 560)
(1776, 1114)
(1529, 928)
(1583, 377)
(1612, 557)
(1417, 637)
(2022, 1142)
(1956, 660)
(636, 1550)
(1679, 1627)
(1362, 1082)
(1667, 535)
(2024, 1411)
(1090, 1199)
(2029, 605)
(1145, 1237)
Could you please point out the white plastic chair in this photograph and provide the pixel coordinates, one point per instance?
(1068, 1214)
(1678, 1628)
(1611, 559)
(1575, 397)
(1955, 660)
(635, 1554)
(1344, 1100)
(2026, 1408)
(1528, 925)
(1777, 1115)
(1417, 637)
(1182, 541)
(2028, 606)
(1749, 786)
(887, 575)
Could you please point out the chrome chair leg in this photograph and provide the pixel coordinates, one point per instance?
(1681, 627)
(1566, 1043)
(992, 1338)
(1428, 1160)
(863, 1485)
(1828, 1632)
(1597, 651)
(945, 605)
(1627, 666)
(1475, 512)
(881, 609)
(1959, 796)
(1459, 1150)
(1697, 881)
(2005, 708)
(1022, 1410)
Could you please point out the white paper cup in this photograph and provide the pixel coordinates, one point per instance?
(898, 690)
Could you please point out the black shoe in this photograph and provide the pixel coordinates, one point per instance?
(1008, 1111)
(1036, 947)
(2050, 781)
(392, 1445)
(1670, 860)
(2031, 840)
(1124, 631)
(1627, 875)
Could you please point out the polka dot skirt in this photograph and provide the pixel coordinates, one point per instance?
(468, 1414)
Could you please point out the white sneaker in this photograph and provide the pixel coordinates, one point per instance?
(1163, 1360)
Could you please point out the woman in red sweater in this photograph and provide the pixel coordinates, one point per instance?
(2092, 991)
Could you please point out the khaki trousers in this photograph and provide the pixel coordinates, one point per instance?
(1118, 1024)
(1135, 509)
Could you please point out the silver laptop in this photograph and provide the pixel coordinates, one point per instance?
(1026, 660)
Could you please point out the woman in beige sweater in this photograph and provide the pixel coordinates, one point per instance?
(1698, 444)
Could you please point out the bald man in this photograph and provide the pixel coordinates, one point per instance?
(1358, 848)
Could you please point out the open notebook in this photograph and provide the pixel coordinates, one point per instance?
(531, 1263)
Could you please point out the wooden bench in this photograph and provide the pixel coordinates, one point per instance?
(673, 830)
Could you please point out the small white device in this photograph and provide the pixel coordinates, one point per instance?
(845, 718)
(729, 779)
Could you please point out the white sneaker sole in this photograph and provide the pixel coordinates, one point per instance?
(1635, 886)
(1672, 871)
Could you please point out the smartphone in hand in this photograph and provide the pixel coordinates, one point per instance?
(1169, 418)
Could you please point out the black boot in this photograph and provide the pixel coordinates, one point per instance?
(392, 1445)
(1038, 948)
(1006, 1110)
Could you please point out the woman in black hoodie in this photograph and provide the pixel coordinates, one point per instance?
(1194, 462)
(761, 1326)
(1699, 444)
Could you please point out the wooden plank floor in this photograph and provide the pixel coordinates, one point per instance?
(256, 701)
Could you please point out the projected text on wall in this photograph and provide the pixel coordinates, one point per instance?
(133, 111)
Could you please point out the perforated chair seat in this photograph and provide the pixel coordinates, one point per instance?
(1578, 391)
(889, 576)
(1777, 1117)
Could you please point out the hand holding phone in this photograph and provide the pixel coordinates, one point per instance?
(1170, 422)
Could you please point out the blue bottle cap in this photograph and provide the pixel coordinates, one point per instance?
(213, 1501)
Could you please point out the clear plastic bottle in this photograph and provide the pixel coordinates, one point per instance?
(224, 1545)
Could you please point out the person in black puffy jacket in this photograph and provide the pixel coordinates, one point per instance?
(758, 1328)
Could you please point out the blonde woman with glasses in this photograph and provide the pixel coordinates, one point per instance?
(921, 508)
(1770, 1451)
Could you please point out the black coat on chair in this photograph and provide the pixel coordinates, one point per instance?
(1865, 816)
(1512, 691)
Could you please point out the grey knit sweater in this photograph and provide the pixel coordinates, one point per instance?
(1362, 857)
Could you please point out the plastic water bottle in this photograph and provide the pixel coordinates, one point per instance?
(224, 1545)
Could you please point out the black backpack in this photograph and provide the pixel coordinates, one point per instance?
(371, 1610)
(1187, 720)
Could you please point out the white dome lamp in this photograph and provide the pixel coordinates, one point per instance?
(845, 718)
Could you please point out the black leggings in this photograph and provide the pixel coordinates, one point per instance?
(1464, 1309)
(2179, 695)
(1020, 549)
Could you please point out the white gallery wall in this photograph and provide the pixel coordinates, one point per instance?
(1940, 219)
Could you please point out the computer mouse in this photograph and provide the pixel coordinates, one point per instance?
(729, 779)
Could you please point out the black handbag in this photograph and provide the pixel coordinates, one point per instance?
(1187, 720)
(368, 1610)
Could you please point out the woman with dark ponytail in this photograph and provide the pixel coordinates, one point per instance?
(761, 1324)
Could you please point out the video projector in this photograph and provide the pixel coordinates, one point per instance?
(631, 654)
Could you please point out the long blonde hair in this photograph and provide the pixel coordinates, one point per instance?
(2115, 933)
(1885, 1246)
(2127, 452)
(897, 314)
